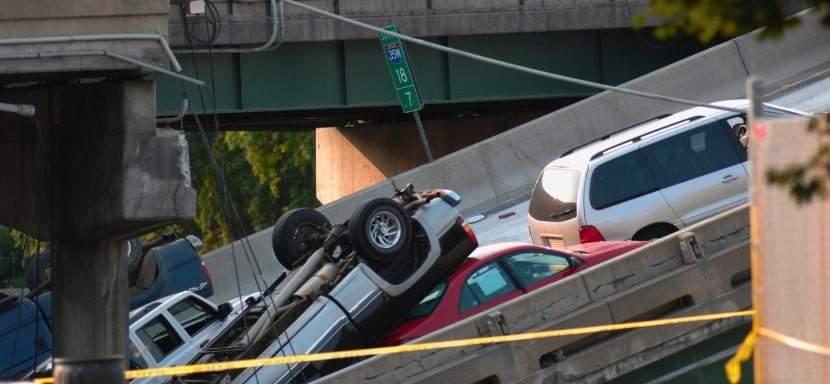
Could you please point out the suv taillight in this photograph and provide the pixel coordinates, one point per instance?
(468, 229)
(207, 273)
(589, 234)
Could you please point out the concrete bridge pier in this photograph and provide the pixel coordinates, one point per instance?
(352, 158)
(90, 170)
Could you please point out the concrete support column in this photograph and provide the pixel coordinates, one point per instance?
(791, 255)
(89, 286)
(350, 159)
(89, 170)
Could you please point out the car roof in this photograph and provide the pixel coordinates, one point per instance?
(488, 252)
(580, 157)
(152, 308)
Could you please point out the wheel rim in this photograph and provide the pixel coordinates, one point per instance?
(384, 230)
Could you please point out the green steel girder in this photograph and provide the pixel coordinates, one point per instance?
(352, 74)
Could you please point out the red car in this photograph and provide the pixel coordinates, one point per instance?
(496, 273)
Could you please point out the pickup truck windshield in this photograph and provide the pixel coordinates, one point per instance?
(192, 315)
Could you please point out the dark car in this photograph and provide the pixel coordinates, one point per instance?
(497, 273)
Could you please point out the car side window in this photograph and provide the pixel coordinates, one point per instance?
(621, 179)
(428, 303)
(485, 284)
(159, 337)
(192, 315)
(691, 154)
(529, 268)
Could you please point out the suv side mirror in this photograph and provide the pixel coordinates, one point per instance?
(574, 262)
(224, 310)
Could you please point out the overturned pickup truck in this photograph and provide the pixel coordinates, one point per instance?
(351, 283)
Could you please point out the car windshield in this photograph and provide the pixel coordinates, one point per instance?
(554, 197)
(428, 304)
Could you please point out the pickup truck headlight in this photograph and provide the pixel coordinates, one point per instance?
(450, 197)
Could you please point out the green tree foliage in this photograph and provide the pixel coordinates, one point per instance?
(15, 250)
(707, 19)
(267, 173)
(10, 258)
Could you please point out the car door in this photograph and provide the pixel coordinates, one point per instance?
(533, 270)
(162, 341)
(698, 171)
(486, 287)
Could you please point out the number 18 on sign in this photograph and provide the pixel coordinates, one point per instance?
(401, 74)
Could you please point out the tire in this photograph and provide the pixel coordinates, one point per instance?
(38, 270)
(653, 233)
(380, 231)
(288, 239)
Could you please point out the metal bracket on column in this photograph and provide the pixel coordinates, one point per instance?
(690, 248)
(493, 325)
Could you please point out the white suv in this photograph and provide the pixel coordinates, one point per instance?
(645, 181)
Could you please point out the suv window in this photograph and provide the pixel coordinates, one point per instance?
(192, 315)
(485, 284)
(159, 337)
(529, 268)
(554, 196)
(691, 154)
(620, 179)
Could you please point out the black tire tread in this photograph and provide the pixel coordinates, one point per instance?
(282, 238)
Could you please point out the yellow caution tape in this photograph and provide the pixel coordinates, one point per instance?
(794, 342)
(733, 366)
(242, 364)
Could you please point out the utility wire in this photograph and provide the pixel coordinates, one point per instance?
(504, 64)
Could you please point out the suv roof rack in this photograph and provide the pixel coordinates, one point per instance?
(605, 137)
(637, 138)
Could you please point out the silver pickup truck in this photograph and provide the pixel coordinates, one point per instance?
(172, 330)
(353, 282)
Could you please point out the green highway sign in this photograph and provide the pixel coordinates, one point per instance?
(399, 69)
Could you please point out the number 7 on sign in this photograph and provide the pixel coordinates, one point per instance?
(408, 97)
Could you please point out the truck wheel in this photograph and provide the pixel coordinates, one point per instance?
(380, 231)
(38, 269)
(654, 232)
(297, 234)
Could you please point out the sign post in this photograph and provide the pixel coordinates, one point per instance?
(404, 83)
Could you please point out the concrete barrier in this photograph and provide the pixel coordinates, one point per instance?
(651, 282)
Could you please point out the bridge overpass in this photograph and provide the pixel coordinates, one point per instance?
(331, 78)
(498, 172)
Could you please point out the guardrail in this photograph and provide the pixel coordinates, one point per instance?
(704, 269)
